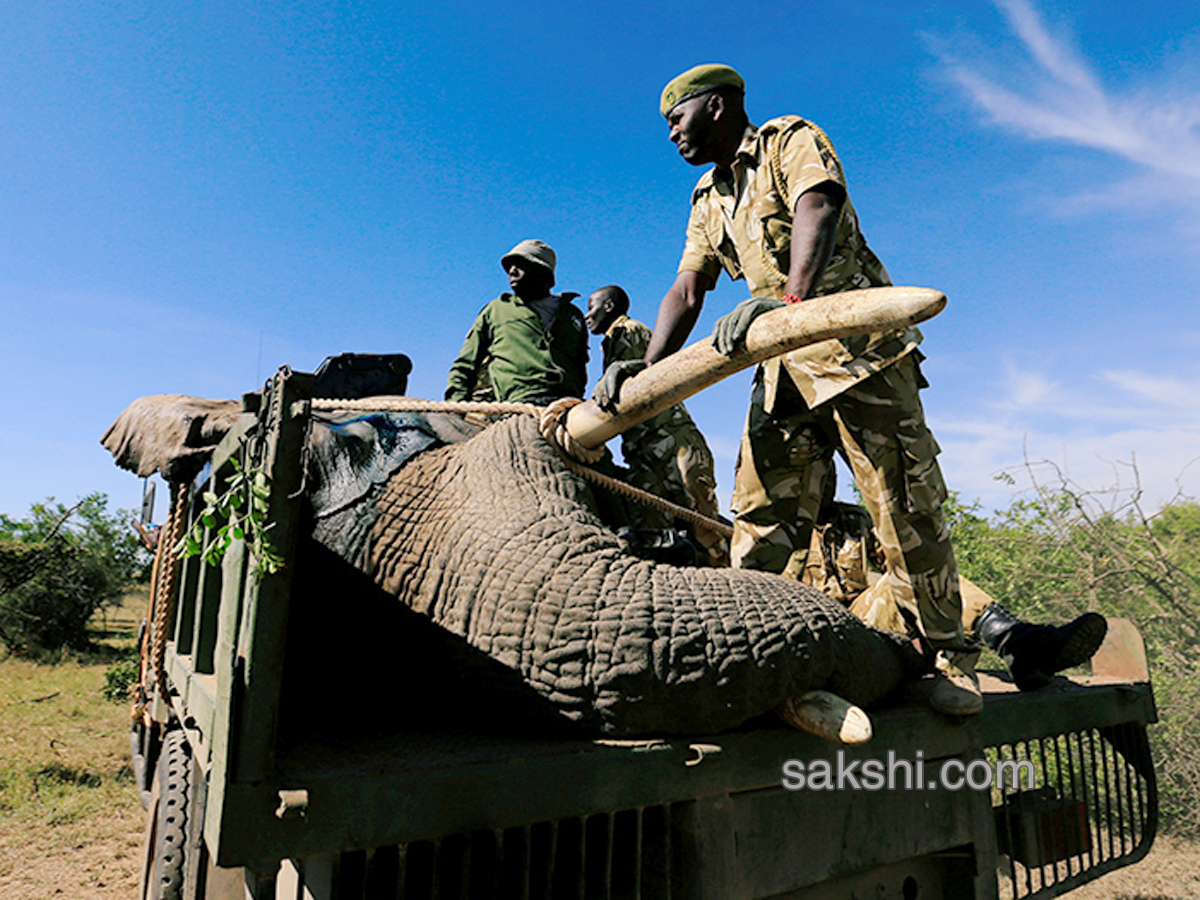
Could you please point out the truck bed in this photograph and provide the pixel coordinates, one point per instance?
(450, 791)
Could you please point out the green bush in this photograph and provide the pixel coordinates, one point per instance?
(58, 567)
(119, 680)
(1062, 550)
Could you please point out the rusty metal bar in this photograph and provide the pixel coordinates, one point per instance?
(1101, 795)
(401, 870)
(1045, 845)
(1143, 818)
(1062, 750)
(1087, 800)
(638, 857)
(670, 875)
(608, 861)
(1098, 844)
(1124, 817)
(527, 837)
(1107, 762)
(553, 854)
(465, 885)
(1006, 818)
(1028, 754)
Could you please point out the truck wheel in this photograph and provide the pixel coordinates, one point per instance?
(169, 813)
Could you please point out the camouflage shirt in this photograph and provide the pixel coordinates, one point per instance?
(626, 339)
(525, 359)
(744, 226)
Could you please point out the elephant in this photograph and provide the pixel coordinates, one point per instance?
(490, 535)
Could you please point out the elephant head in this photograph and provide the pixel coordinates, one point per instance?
(499, 543)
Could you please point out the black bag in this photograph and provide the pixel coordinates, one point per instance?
(352, 376)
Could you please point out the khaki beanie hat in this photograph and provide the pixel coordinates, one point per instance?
(696, 81)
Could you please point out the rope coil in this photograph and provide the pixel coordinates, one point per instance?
(164, 586)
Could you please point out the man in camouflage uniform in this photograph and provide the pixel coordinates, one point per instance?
(528, 346)
(774, 211)
(666, 455)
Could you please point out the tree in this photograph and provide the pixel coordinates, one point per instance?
(58, 567)
(1063, 549)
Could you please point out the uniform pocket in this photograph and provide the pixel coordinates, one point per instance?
(775, 221)
(720, 242)
(924, 487)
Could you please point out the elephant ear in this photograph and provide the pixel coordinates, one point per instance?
(171, 434)
(352, 454)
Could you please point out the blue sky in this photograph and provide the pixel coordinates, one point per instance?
(196, 193)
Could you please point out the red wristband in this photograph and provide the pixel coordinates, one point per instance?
(791, 298)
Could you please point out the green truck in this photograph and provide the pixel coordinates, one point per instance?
(284, 749)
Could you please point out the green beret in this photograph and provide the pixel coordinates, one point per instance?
(695, 81)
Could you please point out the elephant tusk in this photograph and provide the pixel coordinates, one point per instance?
(829, 716)
(698, 366)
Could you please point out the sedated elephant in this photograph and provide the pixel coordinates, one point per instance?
(498, 542)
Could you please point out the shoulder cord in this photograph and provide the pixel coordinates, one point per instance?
(780, 183)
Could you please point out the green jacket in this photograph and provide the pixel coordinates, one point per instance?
(525, 360)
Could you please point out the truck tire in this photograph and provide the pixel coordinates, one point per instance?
(168, 864)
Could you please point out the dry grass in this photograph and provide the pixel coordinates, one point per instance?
(1171, 871)
(70, 821)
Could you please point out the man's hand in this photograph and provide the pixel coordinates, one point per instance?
(608, 389)
(730, 331)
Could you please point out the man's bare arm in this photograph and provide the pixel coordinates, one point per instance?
(677, 314)
(814, 228)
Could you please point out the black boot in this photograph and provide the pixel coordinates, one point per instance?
(1033, 653)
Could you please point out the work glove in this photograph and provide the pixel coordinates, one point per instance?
(730, 331)
(608, 388)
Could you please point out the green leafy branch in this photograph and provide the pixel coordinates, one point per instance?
(238, 513)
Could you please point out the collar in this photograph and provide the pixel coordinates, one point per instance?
(747, 152)
(748, 149)
(618, 323)
(510, 297)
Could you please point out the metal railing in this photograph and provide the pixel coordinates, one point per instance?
(626, 854)
(1093, 807)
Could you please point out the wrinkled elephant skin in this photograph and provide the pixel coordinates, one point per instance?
(498, 542)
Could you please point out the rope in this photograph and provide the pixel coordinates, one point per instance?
(165, 587)
(649, 499)
(552, 422)
(139, 699)
(412, 404)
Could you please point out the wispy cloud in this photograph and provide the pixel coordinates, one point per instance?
(1044, 88)
(1111, 429)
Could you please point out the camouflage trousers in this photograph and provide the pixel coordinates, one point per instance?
(785, 473)
(677, 465)
(844, 562)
